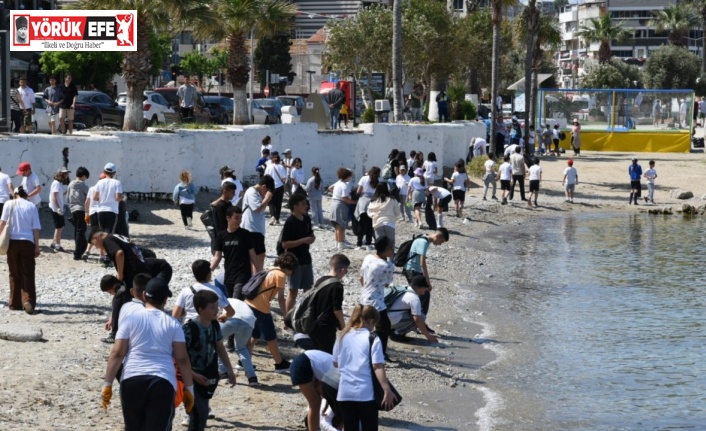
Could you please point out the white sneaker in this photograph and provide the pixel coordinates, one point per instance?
(188, 221)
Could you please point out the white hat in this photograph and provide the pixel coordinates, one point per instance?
(110, 168)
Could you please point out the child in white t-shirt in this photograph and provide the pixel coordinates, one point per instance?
(650, 176)
(535, 178)
(505, 178)
(571, 178)
(459, 182)
(402, 182)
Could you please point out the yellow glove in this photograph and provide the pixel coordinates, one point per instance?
(107, 394)
(87, 219)
(188, 398)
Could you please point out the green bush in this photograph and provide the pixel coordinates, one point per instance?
(465, 110)
(368, 115)
(475, 168)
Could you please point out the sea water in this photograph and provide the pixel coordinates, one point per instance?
(600, 324)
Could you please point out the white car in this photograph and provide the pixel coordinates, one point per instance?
(154, 105)
(259, 115)
(40, 119)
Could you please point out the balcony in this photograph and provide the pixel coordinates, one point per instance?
(569, 16)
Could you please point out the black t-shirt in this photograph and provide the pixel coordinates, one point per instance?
(157, 267)
(235, 247)
(69, 93)
(328, 300)
(295, 229)
(219, 214)
(133, 264)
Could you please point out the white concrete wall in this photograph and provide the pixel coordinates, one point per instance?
(151, 162)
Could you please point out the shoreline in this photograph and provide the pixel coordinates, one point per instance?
(55, 384)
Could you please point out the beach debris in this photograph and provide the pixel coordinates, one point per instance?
(681, 194)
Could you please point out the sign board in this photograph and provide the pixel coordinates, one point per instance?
(377, 83)
(73, 30)
(267, 91)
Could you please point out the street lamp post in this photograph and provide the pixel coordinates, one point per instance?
(310, 72)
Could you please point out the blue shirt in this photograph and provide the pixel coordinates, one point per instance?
(419, 248)
(635, 172)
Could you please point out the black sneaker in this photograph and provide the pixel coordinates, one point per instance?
(399, 338)
(252, 381)
(282, 367)
(108, 340)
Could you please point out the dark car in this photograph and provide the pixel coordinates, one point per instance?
(296, 101)
(95, 108)
(201, 111)
(221, 109)
(273, 107)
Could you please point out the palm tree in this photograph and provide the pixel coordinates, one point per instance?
(700, 9)
(497, 17)
(678, 20)
(237, 20)
(153, 16)
(603, 30)
(528, 23)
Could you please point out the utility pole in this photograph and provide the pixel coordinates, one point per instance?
(310, 72)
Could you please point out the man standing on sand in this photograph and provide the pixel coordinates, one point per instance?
(519, 169)
(27, 101)
(335, 98)
(635, 172)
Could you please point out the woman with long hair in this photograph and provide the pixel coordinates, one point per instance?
(278, 173)
(383, 211)
(185, 196)
(365, 192)
(315, 189)
(418, 189)
(576, 137)
(354, 356)
(296, 175)
(340, 199)
(418, 161)
(431, 170)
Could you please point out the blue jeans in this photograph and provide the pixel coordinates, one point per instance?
(242, 332)
(335, 112)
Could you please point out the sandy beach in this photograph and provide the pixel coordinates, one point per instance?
(55, 384)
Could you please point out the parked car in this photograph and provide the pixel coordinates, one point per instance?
(201, 111)
(40, 119)
(95, 108)
(259, 115)
(154, 107)
(273, 108)
(297, 101)
(221, 108)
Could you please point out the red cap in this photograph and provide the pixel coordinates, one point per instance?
(24, 167)
(570, 162)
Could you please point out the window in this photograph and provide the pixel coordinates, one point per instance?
(622, 53)
(458, 4)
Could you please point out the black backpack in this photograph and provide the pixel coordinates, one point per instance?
(302, 317)
(402, 255)
(252, 287)
(562, 136)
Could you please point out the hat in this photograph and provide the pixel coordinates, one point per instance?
(226, 168)
(109, 168)
(62, 170)
(570, 162)
(576, 120)
(419, 281)
(21, 22)
(24, 167)
(157, 288)
(287, 151)
(634, 159)
(274, 153)
(419, 172)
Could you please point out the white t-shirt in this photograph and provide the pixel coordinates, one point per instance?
(25, 218)
(479, 147)
(297, 175)
(489, 165)
(402, 182)
(534, 172)
(510, 150)
(377, 273)
(30, 183)
(439, 192)
(185, 299)
(650, 174)
(273, 170)
(242, 312)
(107, 189)
(130, 308)
(429, 168)
(506, 171)
(416, 184)
(409, 302)
(60, 190)
(571, 175)
(365, 184)
(150, 335)
(5, 182)
(253, 221)
(341, 190)
(459, 180)
(238, 189)
(321, 362)
(27, 95)
(93, 205)
(351, 355)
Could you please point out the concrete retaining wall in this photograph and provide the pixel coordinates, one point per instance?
(151, 162)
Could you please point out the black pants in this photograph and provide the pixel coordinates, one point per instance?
(187, 114)
(187, 212)
(119, 299)
(518, 179)
(16, 117)
(199, 414)
(383, 329)
(426, 298)
(359, 415)
(324, 337)
(365, 228)
(78, 218)
(276, 203)
(107, 220)
(148, 403)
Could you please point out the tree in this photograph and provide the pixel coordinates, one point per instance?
(677, 20)
(700, 9)
(603, 30)
(671, 67)
(611, 74)
(272, 53)
(529, 26)
(91, 67)
(196, 64)
(153, 16)
(497, 7)
(398, 103)
(236, 20)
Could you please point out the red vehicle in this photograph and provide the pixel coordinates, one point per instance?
(346, 87)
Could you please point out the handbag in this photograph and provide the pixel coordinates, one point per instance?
(377, 388)
(5, 236)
